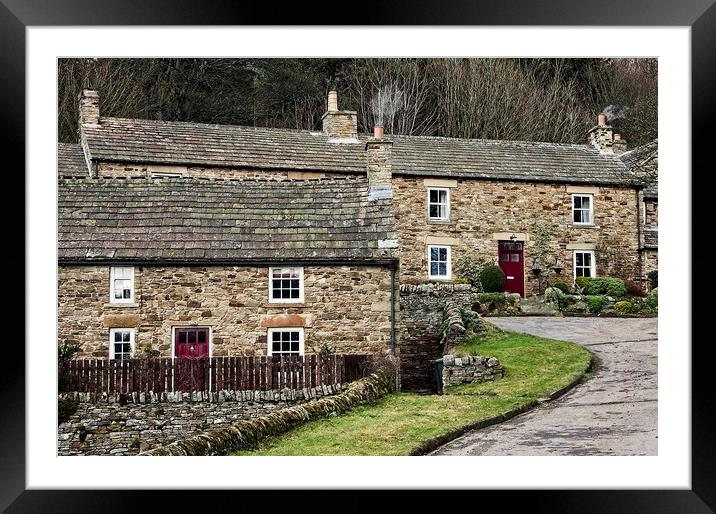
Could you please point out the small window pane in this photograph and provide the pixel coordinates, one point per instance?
(434, 254)
(182, 336)
(125, 336)
(192, 337)
(276, 336)
(579, 259)
(515, 257)
(587, 259)
(577, 202)
(434, 268)
(434, 196)
(276, 293)
(275, 345)
(294, 293)
(442, 269)
(127, 293)
(585, 202)
(202, 336)
(434, 211)
(118, 336)
(443, 254)
(294, 346)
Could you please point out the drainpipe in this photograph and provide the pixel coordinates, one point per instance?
(392, 325)
(639, 252)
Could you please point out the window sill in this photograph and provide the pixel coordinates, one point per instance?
(121, 305)
(579, 225)
(439, 279)
(283, 305)
(439, 222)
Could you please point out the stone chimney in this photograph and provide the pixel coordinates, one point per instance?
(619, 145)
(339, 125)
(601, 136)
(89, 107)
(379, 158)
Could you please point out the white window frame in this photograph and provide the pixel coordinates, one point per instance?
(449, 263)
(113, 331)
(165, 174)
(447, 203)
(591, 209)
(112, 278)
(300, 298)
(593, 267)
(269, 337)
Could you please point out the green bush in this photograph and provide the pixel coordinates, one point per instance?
(653, 277)
(596, 303)
(653, 298)
(65, 409)
(610, 286)
(493, 300)
(562, 287)
(468, 270)
(623, 307)
(634, 289)
(492, 278)
(582, 282)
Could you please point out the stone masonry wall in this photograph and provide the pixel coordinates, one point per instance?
(122, 169)
(470, 369)
(481, 208)
(421, 312)
(346, 306)
(108, 426)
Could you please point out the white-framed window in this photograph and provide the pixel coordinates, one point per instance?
(286, 285)
(584, 264)
(439, 267)
(121, 284)
(121, 343)
(583, 209)
(285, 341)
(439, 204)
(165, 174)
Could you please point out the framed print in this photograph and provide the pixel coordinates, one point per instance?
(40, 473)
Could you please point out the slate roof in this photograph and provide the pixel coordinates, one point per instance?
(651, 238)
(71, 161)
(178, 219)
(645, 158)
(163, 142)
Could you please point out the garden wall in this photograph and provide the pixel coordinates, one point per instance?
(128, 424)
(470, 369)
(421, 312)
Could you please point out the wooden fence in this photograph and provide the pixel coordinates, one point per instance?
(208, 374)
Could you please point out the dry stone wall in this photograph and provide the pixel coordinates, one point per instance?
(469, 369)
(126, 425)
(345, 306)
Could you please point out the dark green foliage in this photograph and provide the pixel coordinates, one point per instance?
(469, 268)
(582, 282)
(493, 300)
(653, 279)
(65, 409)
(596, 303)
(653, 299)
(470, 320)
(492, 278)
(562, 287)
(609, 286)
(67, 350)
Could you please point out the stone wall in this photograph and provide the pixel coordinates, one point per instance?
(345, 306)
(128, 425)
(469, 369)
(651, 261)
(421, 312)
(122, 170)
(484, 211)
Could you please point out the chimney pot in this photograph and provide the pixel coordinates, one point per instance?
(378, 131)
(332, 101)
(601, 119)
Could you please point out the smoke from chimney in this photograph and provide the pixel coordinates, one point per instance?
(614, 112)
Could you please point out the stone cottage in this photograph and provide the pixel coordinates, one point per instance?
(643, 162)
(197, 239)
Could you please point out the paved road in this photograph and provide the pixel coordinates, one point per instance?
(614, 413)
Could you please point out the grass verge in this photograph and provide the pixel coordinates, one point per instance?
(400, 423)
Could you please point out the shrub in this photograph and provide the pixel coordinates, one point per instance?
(468, 269)
(492, 278)
(494, 300)
(634, 289)
(653, 298)
(623, 307)
(582, 282)
(653, 277)
(67, 350)
(562, 287)
(611, 286)
(596, 303)
(65, 409)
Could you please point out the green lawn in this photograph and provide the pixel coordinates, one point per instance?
(534, 368)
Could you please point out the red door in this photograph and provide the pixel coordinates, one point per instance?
(191, 352)
(510, 256)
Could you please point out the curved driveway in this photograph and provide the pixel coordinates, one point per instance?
(614, 413)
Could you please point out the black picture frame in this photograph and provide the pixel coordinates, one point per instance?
(699, 15)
